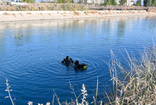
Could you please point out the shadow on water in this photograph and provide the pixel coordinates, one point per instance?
(31, 53)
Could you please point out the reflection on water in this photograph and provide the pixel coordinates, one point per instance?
(41, 27)
(31, 52)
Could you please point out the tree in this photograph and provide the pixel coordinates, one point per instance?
(122, 2)
(29, 1)
(138, 3)
(153, 2)
(110, 2)
(113, 2)
(148, 3)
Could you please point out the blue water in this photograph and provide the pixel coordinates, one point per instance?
(31, 55)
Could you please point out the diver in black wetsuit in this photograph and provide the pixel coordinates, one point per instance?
(67, 61)
(80, 66)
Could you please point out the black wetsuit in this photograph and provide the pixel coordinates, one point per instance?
(67, 62)
(80, 67)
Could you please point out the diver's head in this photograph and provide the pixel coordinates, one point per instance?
(67, 57)
(77, 62)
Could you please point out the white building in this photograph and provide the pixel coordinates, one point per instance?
(95, 1)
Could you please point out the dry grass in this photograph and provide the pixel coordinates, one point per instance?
(6, 13)
(90, 12)
(138, 87)
(151, 10)
(44, 7)
(86, 13)
(100, 13)
(9, 90)
(21, 14)
(29, 13)
(76, 13)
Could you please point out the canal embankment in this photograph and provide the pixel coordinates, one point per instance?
(51, 15)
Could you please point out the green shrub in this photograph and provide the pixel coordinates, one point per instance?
(110, 2)
(138, 3)
(122, 2)
(29, 1)
(149, 3)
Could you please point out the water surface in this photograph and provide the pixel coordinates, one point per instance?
(31, 55)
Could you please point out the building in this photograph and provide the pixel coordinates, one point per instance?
(95, 1)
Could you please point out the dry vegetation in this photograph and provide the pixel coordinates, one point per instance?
(68, 7)
(76, 13)
(138, 87)
(91, 12)
(44, 7)
(151, 10)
